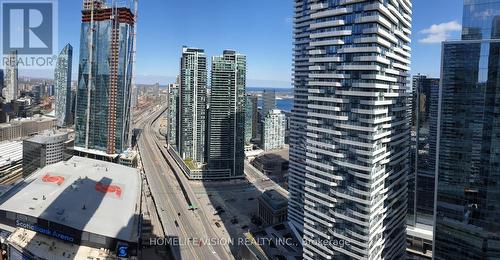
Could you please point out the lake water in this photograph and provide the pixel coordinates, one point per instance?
(285, 104)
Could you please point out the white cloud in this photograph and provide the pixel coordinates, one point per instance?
(438, 33)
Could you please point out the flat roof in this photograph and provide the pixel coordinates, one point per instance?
(54, 249)
(94, 152)
(283, 153)
(49, 136)
(275, 199)
(421, 231)
(85, 194)
(10, 151)
(18, 121)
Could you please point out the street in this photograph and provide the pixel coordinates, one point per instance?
(187, 227)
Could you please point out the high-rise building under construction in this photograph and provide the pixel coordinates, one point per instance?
(105, 75)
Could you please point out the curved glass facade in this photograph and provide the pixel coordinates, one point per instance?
(468, 189)
(63, 86)
(481, 19)
(110, 93)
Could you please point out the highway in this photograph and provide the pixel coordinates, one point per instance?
(191, 228)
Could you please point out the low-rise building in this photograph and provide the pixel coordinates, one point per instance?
(419, 241)
(129, 158)
(26, 244)
(11, 158)
(272, 207)
(274, 242)
(79, 203)
(24, 127)
(272, 165)
(43, 149)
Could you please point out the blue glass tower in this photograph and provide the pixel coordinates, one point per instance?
(468, 164)
(105, 77)
(423, 157)
(62, 79)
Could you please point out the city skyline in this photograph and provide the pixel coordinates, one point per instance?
(157, 52)
(388, 145)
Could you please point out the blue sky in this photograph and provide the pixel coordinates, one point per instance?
(261, 29)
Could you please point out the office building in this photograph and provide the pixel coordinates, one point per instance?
(468, 168)
(273, 130)
(255, 115)
(274, 165)
(249, 109)
(62, 79)
(105, 77)
(272, 207)
(156, 91)
(72, 206)
(173, 114)
(10, 87)
(51, 90)
(24, 127)
(423, 154)
(421, 178)
(43, 149)
(135, 96)
(268, 101)
(193, 105)
(226, 125)
(350, 128)
(1, 81)
(73, 105)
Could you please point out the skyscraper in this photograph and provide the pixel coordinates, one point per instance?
(255, 115)
(273, 130)
(10, 89)
(62, 79)
(156, 90)
(268, 101)
(468, 161)
(226, 125)
(192, 105)
(421, 177)
(105, 77)
(173, 114)
(1, 80)
(249, 110)
(135, 97)
(423, 155)
(350, 128)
